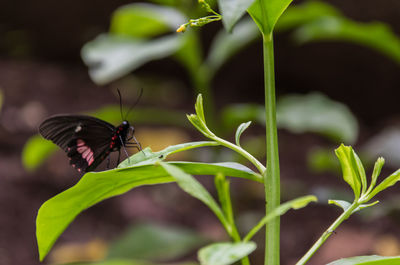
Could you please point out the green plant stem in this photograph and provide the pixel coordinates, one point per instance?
(272, 175)
(346, 214)
(260, 167)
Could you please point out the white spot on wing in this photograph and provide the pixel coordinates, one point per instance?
(78, 128)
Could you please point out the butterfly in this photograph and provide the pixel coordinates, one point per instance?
(88, 140)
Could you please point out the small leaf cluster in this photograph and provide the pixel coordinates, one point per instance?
(354, 175)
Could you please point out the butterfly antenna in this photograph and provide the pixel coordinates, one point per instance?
(136, 102)
(120, 103)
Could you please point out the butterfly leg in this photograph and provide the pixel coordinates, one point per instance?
(119, 156)
(123, 146)
(108, 162)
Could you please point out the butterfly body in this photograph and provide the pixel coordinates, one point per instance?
(87, 140)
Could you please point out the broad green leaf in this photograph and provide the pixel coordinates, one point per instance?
(145, 20)
(242, 127)
(345, 155)
(110, 57)
(368, 260)
(280, 210)
(225, 44)
(58, 212)
(317, 113)
(306, 12)
(386, 183)
(232, 11)
(375, 35)
(267, 12)
(342, 204)
(149, 241)
(36, 150)
(194, 188)
(225, 253)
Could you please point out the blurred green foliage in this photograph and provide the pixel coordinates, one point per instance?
(148, 241)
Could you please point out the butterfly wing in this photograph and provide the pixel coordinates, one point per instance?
(85, 139)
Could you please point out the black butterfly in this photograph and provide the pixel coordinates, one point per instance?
(88, 140)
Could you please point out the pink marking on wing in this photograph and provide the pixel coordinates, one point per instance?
(86, 153)
(90, 158)
(80, 142)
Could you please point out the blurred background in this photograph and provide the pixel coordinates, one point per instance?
(337, 76)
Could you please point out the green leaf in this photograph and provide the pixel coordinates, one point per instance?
(145, 20)
(190, 185)
(224, 196)
(36, 150)
(225, 44)
(375, 35)
(317, 113)
(232, 11)
(225, 253)
(342, 204)
(360, 171)
(149, 241)
(377, 171)
(198, 120)
(58, 212)
(386, 183)
(110, 57)
(304, 13)
(345, 155)
(368, 260)
(267, 12)
(242, 127)
(280, 210)
(199, 108)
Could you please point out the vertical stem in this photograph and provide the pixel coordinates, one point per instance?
(272, 176)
